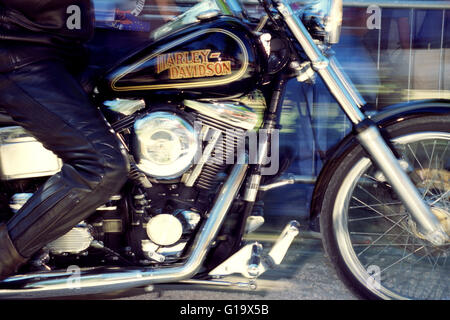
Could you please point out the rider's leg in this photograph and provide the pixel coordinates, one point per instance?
(46, 100)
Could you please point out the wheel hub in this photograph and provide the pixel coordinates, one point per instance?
(443, 217)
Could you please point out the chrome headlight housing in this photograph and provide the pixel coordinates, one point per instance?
(327, 15)
(164, 145)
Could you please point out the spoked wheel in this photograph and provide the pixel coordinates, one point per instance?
(368, 234)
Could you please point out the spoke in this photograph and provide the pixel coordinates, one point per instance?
(384, 244)
(431, 179)
(381, 236)
(377, 217)
(443, 153)
(375, 234)
(376, 199)
(385, 247)
(437, 260)
(402, 259)
(401, 255)
(431, 165)
(376, 205)
(414, 155)
(428, 255)
(442, 196)
(376, 180)
(432, 151)
(427, 190)
(384, 216)
(420, 259)
(406, 245)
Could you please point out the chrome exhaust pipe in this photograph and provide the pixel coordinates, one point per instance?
(103, 279)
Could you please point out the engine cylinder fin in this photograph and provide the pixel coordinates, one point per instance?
(124, 123)
(224, 151)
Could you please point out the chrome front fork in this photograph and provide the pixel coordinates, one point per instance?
(368, 134)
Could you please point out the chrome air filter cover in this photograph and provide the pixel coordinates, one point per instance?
(164, 144)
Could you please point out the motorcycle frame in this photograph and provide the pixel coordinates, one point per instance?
(367, 133)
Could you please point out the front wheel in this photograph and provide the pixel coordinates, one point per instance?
(369, 235)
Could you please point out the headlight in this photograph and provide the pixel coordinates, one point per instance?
(164, 145)
(327, 13)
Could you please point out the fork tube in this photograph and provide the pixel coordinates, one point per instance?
(344, 92)
(367, 133)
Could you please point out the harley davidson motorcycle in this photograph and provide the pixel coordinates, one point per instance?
(383, 195)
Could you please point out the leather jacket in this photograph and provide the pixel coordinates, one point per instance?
(34, 30)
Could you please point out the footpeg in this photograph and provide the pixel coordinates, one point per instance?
(250, 260)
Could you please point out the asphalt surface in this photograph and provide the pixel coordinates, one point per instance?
(305, 274)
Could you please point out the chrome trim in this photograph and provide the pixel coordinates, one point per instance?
(236, 115)
(329, 13)
(291, 179)
(252, 187)
(284, 241)
(336, 66)
(125, 107)
(250, 261)
(428, 223)
(218, 283)
(22, 156)
(182, 140)
(351, 102)
(101, 280)
(207, 15)
(239, 263)
(340, 226)
(340, 220)
(332, 76)
(76, 240)
(204, 158)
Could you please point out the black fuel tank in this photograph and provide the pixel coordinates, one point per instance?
(213, 59)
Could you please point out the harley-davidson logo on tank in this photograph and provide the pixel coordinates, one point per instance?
(205, 58)
(193, 64)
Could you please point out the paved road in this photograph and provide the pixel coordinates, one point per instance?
(305, 274)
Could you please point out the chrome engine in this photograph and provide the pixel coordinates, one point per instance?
(184, 151)
(166, 144)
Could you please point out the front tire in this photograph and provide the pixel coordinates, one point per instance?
(368, 234)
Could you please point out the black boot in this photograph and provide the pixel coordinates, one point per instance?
(10, 259)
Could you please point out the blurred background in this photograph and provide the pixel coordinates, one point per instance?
(394, 51)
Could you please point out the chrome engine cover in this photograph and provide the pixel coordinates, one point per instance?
(164, 145)
(236, 115)
(22, 156)
(73, 242)
(164, 229)
(167, 234)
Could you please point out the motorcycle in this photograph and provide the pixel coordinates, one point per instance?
(382, 197)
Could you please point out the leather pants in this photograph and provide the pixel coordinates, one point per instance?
(46, 100)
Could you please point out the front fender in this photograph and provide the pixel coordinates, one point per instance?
(389, 115)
